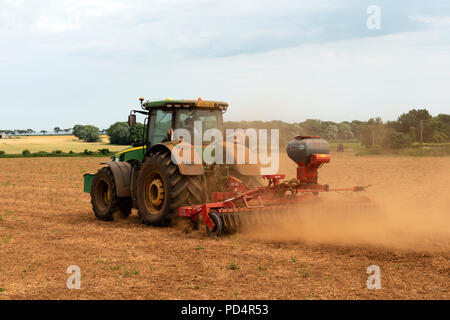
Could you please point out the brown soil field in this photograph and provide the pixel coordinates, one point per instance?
(47, 224)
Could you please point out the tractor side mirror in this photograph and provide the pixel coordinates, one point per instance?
(132, 120)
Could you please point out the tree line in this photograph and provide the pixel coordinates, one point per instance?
(21, 132)
(119, 133)
(415, 126)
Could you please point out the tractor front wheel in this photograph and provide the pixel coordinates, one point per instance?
(104, 197)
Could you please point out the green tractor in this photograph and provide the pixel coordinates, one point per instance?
(146, 177)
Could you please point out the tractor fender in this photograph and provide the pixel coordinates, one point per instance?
(186, 169)
(122, 176)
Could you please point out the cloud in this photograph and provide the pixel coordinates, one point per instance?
(432, 20)
(194, 28)
(89, 59)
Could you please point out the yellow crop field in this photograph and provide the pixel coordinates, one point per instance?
(50, 143)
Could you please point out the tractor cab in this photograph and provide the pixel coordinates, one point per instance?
(164, 117)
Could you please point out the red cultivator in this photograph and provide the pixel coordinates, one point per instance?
(228, 211)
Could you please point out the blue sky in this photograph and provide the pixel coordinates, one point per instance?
(88, 61)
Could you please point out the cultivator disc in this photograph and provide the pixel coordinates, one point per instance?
(230, 220)
(238, 219)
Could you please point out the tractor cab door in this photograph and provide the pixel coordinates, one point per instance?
(160, 122)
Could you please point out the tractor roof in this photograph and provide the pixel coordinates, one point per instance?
(169, 103)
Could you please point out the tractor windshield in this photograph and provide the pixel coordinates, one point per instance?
(210, 119)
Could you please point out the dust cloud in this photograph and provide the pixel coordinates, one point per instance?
(395, 223)
(409, 209)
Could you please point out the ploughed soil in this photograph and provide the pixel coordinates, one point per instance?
(319, 252)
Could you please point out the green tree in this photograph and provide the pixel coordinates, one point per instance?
(119, 133)
(412, 119)
(78, 131)
(444, 118)
(415, 118)
(356, 128)
(436, 131)
(312, 127)
(137, 133)
(395, 140)
(412, 134)
(372, 133)
(90, 133)
(345, 131)
(443, 124)
(331, 132)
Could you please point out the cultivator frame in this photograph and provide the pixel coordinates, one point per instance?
(227, 210)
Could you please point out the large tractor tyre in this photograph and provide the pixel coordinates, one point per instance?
(162, 189)
(104, 197)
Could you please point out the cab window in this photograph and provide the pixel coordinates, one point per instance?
(160, 123)
(209, 119)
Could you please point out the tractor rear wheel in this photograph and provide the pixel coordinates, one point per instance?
(162, 189)
(104, 197)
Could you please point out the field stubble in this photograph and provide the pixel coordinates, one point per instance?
(47, 224)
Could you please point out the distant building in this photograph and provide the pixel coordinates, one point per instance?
(1, 136)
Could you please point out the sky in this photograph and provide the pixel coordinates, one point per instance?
(72, 62)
